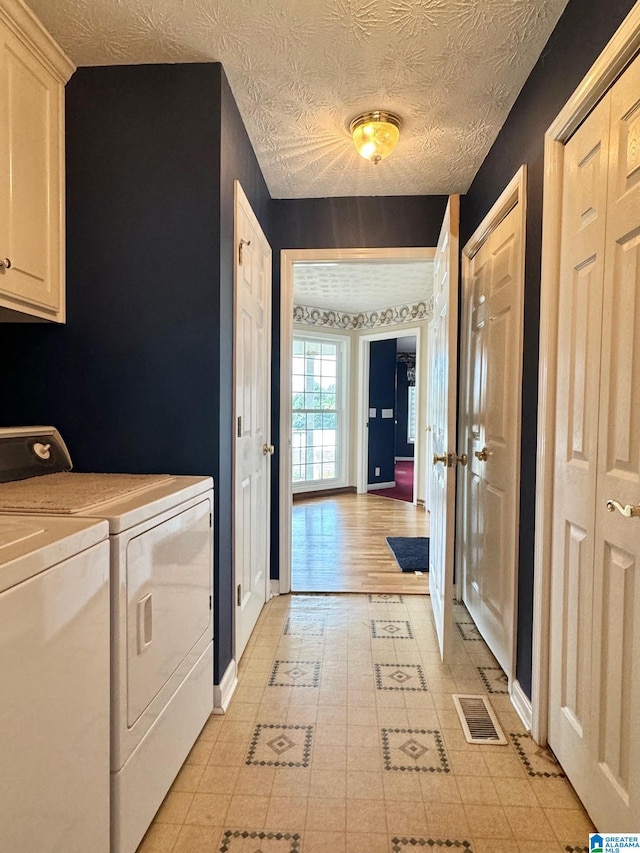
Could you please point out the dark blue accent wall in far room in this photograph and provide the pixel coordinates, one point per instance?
(382, 395)
(579, 37)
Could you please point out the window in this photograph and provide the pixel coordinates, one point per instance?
(411, 414)
(317, 410)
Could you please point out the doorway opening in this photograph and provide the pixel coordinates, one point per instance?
(335, 304)
(394, 381)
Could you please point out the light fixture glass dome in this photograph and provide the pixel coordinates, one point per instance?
(375, 134)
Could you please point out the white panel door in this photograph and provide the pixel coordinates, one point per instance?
(252, 411)
(494, 312)
(443, 335)
(595, 672)
(615, 682)
(578, 381)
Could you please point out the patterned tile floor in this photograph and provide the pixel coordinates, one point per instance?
(342, 737)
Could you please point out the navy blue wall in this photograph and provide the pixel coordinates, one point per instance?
(403, 448)
(139, 378)
(579, 37)
(118, 379)
(382, 395)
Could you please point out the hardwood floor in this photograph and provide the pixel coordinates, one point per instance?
(338, 544)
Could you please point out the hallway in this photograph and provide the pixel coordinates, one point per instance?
(339, 544)
(342, 738)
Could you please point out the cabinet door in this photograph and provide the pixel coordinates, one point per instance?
(31, 102)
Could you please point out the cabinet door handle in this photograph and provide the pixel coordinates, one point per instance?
(5, 263)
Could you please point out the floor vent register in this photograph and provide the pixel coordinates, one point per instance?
(478, 719)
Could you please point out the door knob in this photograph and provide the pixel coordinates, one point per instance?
(5, 263)
(483, 454)
(628, 511)
(268, 449)
(450, 459)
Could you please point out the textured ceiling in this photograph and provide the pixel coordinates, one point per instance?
(358, 286)
(301, 69)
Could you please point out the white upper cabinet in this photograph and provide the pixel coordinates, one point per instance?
(33, 72)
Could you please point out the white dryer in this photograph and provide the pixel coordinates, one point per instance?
(161, 546)
(54, 665)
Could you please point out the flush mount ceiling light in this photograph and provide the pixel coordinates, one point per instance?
(375, 134)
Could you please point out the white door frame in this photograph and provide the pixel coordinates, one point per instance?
(287, 259)
(362, 443)
(515, 193)
(622, 48)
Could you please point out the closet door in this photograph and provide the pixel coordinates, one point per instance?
(494, 382)
(595, 619)
(615, 692)
(576, 441)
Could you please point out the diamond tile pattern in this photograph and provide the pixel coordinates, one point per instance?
(275, 745)
(537, 760)
(384, 598)
(469, 632)
(391, 629)
(419, 750)
(406, 676)
(305, 625)
(243, 841)
(494, 679)
(295, 673)
(401, 844)
(350, 767)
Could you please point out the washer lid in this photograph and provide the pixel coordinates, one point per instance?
(30, 544)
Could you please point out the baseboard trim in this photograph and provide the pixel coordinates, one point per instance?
(420, 503)
(404, 458)
(521, 703)
(223, 692)
(324, 493)
(274, 587)
(371, 487)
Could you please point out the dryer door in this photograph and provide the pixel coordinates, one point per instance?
(169, 584)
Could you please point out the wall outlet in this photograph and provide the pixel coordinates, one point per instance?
(377, 472)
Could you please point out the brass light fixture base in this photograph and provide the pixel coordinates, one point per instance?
(375, 134)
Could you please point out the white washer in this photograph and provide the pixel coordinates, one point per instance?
(54, 661)
(161, 546)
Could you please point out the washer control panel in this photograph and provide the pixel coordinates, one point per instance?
(30, 451)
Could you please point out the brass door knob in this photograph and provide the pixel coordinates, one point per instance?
(462, 459)
(483, 454)
(629, 511)
(444, 459)
(268, 449)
